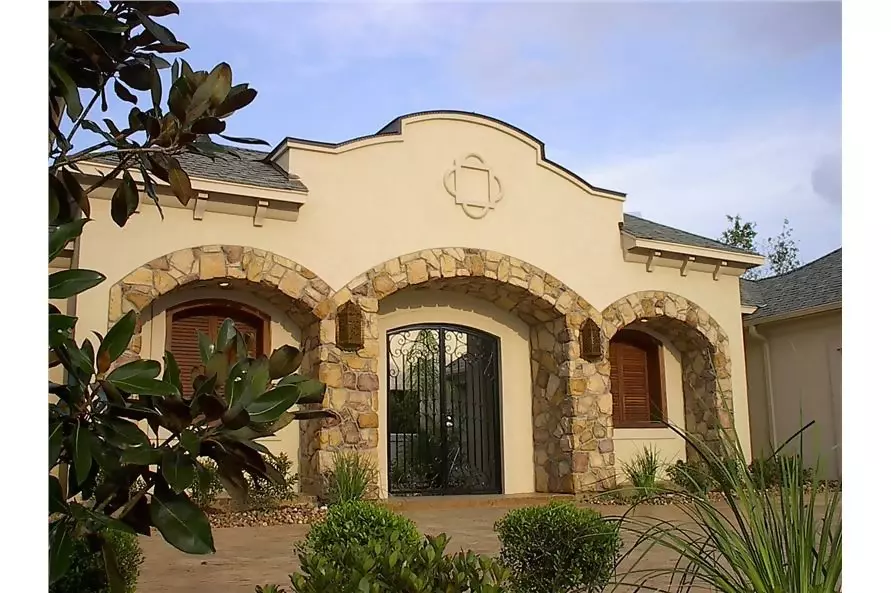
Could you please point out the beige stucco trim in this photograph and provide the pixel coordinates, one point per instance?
(748, 309)
(632, 242)
(298, 144)
(793, 314)
(201, 184)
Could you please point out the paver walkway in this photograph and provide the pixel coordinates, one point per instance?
(247, 556)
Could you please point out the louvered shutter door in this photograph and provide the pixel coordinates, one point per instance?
(633, 381)
(183, 338)
(183, 344)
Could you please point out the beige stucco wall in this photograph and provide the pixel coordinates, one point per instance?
(670, 447)
(403, 309)
(375, 200)
(805, 374)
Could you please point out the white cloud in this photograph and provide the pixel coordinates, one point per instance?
(763, 172)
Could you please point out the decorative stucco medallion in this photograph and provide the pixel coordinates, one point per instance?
(474, 187)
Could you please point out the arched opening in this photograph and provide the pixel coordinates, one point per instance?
(565, 450)
(443, 419)
(648, 332)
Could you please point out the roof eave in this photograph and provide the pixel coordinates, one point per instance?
(825, 308)
(744, 260)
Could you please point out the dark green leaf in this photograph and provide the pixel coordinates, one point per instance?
(144, 369)
(76, 191)
(59, 328)
(125, 200)
(57, 504)
(124, 94)
(99, 22)
(272, 404)
(155, 83)
(205, 346)
(115, 342)
(168, 49)
(80, 450)
(158, 8)
(113, 575)
(60, 236)
(61, 548)
(186, 68)
(208, 125)
(67, 283)
(143, 386)
(123, 434)
(139, 517)
(53, 205)
(210, 405)
(211, 92)
(310, 391)
(178, 98)
(180, 182)
(174, 75)
(68, 90)
(284, 361)
(178, 470)
(159, 32)
(171, 371)
(181, 523)
(232, 478)
(235, 101)
(236, 417)
(190, 442)
(56, 432)
(225, 335)
(141, 456)
(244, 140)
(137, 76)
(237, 381)
(315, 414)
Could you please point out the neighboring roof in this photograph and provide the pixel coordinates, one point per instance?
(647, 229)
(816, 284)
(250, 169)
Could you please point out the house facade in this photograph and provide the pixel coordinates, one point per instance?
(519, 331)
(793, 340)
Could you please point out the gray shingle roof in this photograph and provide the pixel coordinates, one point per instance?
(815, 284)
(250, 169)
(647, 229)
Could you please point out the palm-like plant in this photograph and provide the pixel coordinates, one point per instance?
(751, 540)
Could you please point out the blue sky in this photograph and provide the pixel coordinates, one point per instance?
(695, 109)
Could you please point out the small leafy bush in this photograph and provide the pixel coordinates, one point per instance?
(692, 476)
(207, 486)
(767, 472)
(351, 477)
(558, 548)
(643, 471)
(391, 564)
(86, 574)
(358, 523)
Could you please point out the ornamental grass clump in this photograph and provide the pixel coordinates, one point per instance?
(643, 471)
(748, 539)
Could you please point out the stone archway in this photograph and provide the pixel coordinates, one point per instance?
(567, 393)
(285, 284)
(705, 355)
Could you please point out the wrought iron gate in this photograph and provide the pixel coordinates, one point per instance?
(443, 417)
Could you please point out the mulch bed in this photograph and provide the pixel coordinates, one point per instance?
(297, 514)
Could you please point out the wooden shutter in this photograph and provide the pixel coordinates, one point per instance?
(636, 379)
(185, 322)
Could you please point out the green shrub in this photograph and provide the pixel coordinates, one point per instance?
(694, 477)
(393, 565)
(767, 472)
(87, 571)
(643, 471)
(206, 486)
(350, 478)
(558, 548)
(358, 523)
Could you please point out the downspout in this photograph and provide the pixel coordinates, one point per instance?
(768, 382)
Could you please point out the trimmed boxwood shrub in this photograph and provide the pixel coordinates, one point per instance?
(558, 548)
(358, 523)
(391, 565)
(87, 571)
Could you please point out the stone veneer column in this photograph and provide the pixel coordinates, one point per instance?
(353, 382)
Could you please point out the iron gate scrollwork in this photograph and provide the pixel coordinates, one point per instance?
(443, 417)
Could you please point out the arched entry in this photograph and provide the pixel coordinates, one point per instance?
(443, 417)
